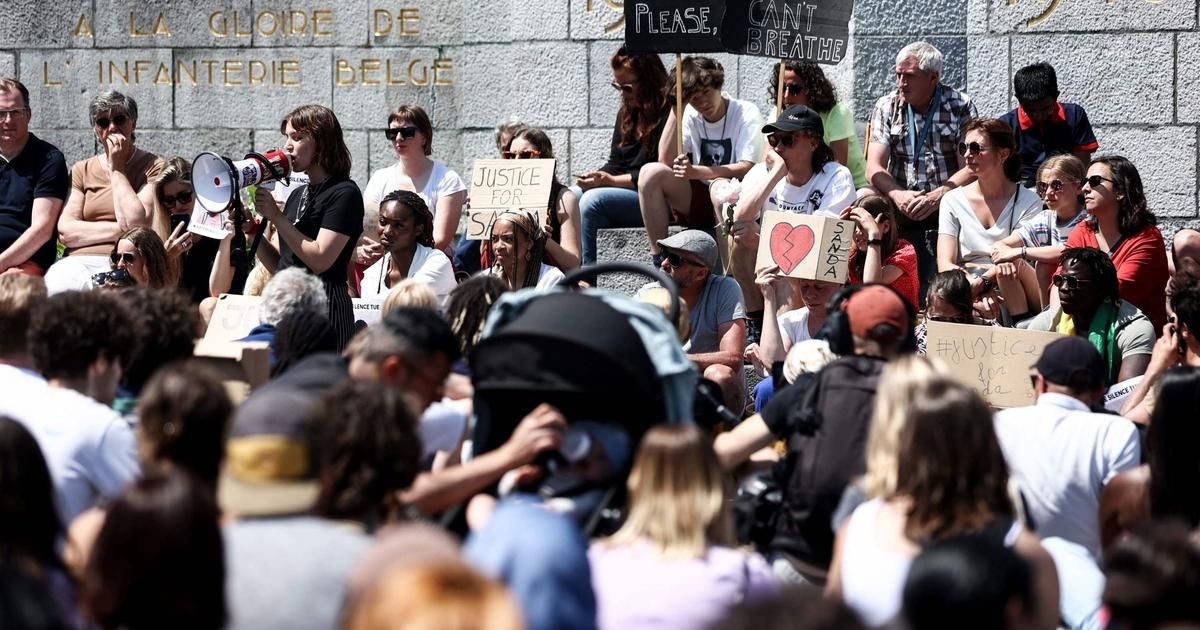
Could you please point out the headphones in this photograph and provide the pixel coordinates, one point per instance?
(836, 329)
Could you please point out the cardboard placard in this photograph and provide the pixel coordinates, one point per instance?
(367, 310)
(803, 30)
(501, 184)
(205, 224)
(479, 222)
(678, 26)
(814, 247)
(234, 317)
(995, 361)
(242, 366)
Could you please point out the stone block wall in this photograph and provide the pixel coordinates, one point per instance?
(219, 74)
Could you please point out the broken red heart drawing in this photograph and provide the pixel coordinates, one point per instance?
(790, 244)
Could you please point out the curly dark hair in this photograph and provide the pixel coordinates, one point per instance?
(183, 414)
(1133, 215)
(468, 308)
(637, 123)
(822, 96)
(417, 208)
(700, 73)
(951, 466)
(1184, 292)
(370, 451)
(1099, 263)
(72, 330)
(165, 325)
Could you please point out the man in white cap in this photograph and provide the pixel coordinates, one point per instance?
(715, 311)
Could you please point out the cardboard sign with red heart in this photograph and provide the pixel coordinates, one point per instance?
(806, 246)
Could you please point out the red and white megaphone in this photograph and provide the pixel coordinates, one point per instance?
(216, 178)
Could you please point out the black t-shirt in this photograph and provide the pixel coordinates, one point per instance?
(38, 171)
(195, 267)
(631, 157)
(336, 205)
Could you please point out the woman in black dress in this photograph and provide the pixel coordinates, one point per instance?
(321, 221)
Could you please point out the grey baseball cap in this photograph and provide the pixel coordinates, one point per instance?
(694, 242)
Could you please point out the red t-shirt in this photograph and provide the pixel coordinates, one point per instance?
(904, 259)
(1141, 262)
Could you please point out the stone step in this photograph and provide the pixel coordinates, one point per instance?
(626, 245)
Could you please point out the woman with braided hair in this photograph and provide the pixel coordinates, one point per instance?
(406, 234)
(517, 249)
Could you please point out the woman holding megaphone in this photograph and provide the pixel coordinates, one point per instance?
(321, 221)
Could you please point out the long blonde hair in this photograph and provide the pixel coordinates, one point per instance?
(176, 169)
(898, 387)
(678, 494)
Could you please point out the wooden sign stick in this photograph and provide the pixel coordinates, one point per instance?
(678, 103)
(779, 93)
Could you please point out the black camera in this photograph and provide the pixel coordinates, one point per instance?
(115, 279)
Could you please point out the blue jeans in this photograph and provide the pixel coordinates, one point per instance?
(602, 208)
(763, 392)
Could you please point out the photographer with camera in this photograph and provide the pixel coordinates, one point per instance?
(826, 413)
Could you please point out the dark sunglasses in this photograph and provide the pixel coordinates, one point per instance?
(1095, 180)
(405, 132)
(118, 120)
(622, 87)
(950, 319)
(169, 202)
(1055, 184)
(969, 148)
(521, 155)
(776, 140)
(678, 261)
(793, 89)
(128, 258)
(116, 277)
(1070, 282)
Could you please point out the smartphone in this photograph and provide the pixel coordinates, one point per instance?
(176, 219)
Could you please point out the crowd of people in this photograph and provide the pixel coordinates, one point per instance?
(510, 448)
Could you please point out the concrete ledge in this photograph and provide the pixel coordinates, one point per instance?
(625, 245)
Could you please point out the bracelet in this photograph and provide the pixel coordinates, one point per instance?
(1023, 257)
(875, 241)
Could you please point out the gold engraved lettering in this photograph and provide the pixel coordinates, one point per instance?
(232, 68)
(298, 23)
(163, 76)
(443, 65)
(46, 80)
(341, 69)
(140, 66)
(408, 18)
(258, 23)
(286, 67)
(181, 69)
(614, 5)
(1054, 5)
(256, 72)
(83, 28)
(409, 15)
(369, 66)
(382, 21)
(424, 78)
(319, 17)
(121, 71)
(208, 66)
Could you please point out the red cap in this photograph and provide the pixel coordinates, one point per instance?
(875, 305)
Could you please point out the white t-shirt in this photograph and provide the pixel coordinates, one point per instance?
(793, 326)
(90, 450)
(737, 137)
(1061, 454)
(974, 241)
(442, 182)
(826, 193)
(547, 276)
(429, 266)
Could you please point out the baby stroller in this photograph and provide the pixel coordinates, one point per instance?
(610, 364)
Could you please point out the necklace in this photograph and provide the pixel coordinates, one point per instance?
(724, 121)
(310, 191)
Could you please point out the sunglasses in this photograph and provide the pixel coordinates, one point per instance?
(971, 148)
(793, 89)
(118, 120)
(405, 132)
(116, 277)
(169, 202)
(950, 319)
(777, 140)
(1095, 180)
(1070, 282)
(521, 155)
(622, 87)
(678, 261)
(128, 258)
(1055, 184)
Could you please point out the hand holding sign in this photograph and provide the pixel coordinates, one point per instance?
(806, 246)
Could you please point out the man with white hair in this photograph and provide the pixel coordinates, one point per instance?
(292, 290)
(912, 156)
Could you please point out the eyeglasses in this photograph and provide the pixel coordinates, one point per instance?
(970, 148)
(116, 278)
(785, 140)
(169, 202)
(793, 89)
(7, 114)
(1055, 184)
(950, 319)
(1094, 180)
(521, 155)
(678, 261)
(118, 120)
(623, 87)
(127, 257)
(405, 132)
(1070, 282)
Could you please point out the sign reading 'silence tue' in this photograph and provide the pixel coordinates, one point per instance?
(804, 30)
(679, 26)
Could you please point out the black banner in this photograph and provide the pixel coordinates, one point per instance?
(673, 26)
(803, 30)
